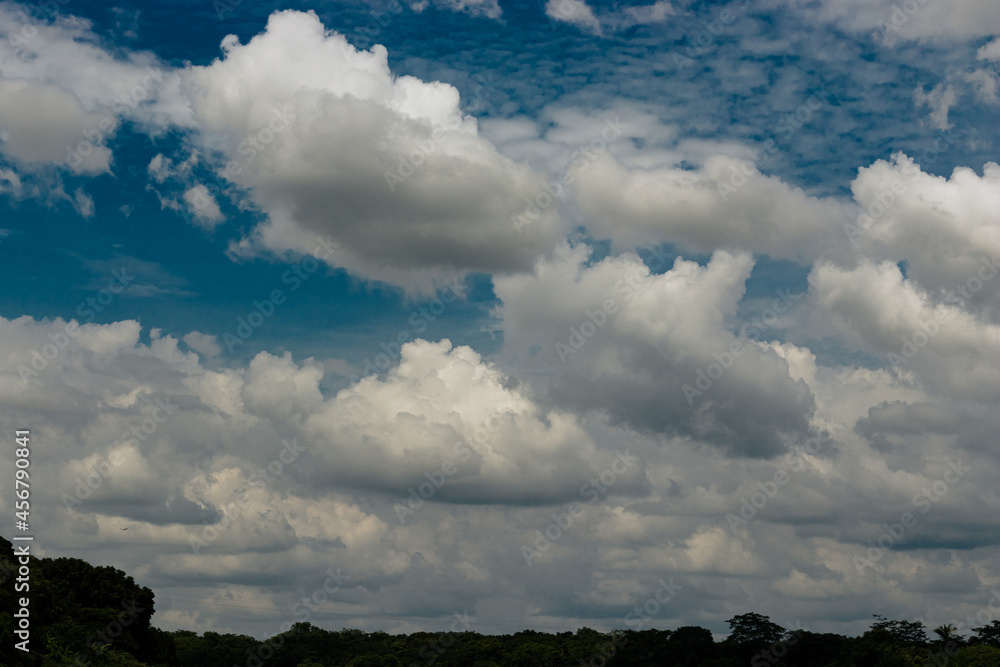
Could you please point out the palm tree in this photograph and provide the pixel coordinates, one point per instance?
(946, 632)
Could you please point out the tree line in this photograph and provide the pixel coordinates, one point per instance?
(87, 616)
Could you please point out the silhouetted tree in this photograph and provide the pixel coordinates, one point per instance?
(689, 646)
(911, 632)
(71, 598)
(988, 634)
(754, 628)
(946, 633)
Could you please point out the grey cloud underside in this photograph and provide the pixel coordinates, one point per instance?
(756, 412)
(450, 212)
(661, 362)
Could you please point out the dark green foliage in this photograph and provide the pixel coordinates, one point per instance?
(754, 629)
(79, 615)
(750, 634)
(810, 648)
(976, 656)
(988, 634)
(902, 631)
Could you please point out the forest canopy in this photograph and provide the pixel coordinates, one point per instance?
(85, 615)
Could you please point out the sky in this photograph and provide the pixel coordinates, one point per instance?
(372, 314)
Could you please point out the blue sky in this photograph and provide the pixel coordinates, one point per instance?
(579, 220)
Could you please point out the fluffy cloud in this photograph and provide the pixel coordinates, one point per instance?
(64, 94)
(943, 228)
(442, 413)
(727, 203)
(192, 460)
(617, 339)
(328, 142)
(223, 468)
(264, 468)
(39, 121)
(938, 342)
(440, 407)
(323, 137)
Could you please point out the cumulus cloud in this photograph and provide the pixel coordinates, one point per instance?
(441, 408)
(328, 142)
(198, 461)
(439, 405)
(727, 203)
(936, 342)
(63, 94)
(41, 120)
(223, 468)
(943, 228)
(205, 344)
(618, 339)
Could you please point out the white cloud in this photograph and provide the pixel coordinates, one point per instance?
(936, 342)
(440, 404)
(63, 94)
(10, 183)
(618, 340)
(912, 216)
(83, 203)
(329, 142)
(205, 344)
(916, 20)
(334, 506)
(578, 13)
(985, 84)
(487, 8)
(40, 121)
(574, 12)
(990, 51)
(516, 436)
(203, 206)
(647, 14)
(727, 203)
